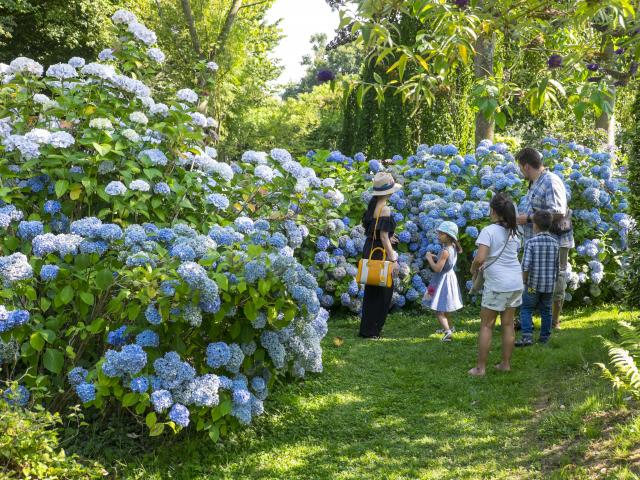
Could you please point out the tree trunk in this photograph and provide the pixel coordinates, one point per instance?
(483, 68)
(221, 43)
(606, 121)
(188, 16)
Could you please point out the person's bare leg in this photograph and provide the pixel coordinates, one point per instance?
(508, 338)
(487, 321)
(442, 318)
(556, 311)
(449, 319)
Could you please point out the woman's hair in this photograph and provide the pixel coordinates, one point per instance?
(502, 204)
(370, 212)
(454, 242)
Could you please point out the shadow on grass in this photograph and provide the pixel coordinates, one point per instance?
(402, 407)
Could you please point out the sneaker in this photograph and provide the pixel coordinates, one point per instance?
(448, 336)
(524, 342)
(543, 340)
(442, 330)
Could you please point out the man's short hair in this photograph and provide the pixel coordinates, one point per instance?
(543, 219)
(529, 156)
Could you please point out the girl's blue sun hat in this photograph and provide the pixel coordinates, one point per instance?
(450, 229)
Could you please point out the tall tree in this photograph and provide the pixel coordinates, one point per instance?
(455, 33)
(51, 31)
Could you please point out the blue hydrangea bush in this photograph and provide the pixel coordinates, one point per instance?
(141, 272)
(137, 270)
(440, 184)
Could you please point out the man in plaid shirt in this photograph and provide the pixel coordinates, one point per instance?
(546, 192)
(539, 272)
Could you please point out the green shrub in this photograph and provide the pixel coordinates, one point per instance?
(29, 448)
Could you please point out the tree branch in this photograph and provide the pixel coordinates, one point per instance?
(188, 16)
(221, 43)
(254, 4)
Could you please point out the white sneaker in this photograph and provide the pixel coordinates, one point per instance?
(448, 336)
(442, 330)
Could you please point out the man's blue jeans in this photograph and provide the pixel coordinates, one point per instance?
(530, 302)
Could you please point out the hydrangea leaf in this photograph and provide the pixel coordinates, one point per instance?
(53, 360)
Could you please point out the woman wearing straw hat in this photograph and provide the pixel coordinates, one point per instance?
(379, 226)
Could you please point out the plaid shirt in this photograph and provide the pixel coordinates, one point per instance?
(541, 261)
(546, 193)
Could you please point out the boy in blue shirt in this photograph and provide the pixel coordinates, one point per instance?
(539, 271)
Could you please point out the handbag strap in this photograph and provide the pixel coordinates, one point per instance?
(375, 228)
(384, 254)
(485, 266)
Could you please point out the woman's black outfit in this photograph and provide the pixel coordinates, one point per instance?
(377, 300)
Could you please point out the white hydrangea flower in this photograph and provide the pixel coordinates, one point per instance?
(198, 119)
(4, 69)
(131, 85)
(138, 117)
(61, 140)
(77, 62)
(62, 71)
(39, 136)
(101, 124)
(148, 102)
(106, 55)
(105, 72)
(142, 33)
(187, 95)
(159, 109)
(131, 135)
(139, 185)
(41, 99)
(25, 65)
(212, 152)
(123, 17)
(156, 55)
(213, 66)
(5, 127)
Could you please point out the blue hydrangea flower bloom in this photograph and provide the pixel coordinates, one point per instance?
(28, 230)
(153, 315)
(49, 272)
(161, 400)
(218, 354)
(118, 337)
(52, 207)
(86, 392)
(115, 188)
(139, 384)
(20, 397)
(148, 338)
(77, 376)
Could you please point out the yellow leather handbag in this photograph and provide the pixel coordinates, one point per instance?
(378, 273)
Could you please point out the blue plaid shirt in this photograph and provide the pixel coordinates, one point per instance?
(541, 261)
(546, 193)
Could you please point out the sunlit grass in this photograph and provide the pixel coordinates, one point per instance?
(403, 407)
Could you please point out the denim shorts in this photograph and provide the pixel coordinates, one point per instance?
(500, 301)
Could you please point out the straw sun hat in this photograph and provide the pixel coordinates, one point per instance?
(384, 184)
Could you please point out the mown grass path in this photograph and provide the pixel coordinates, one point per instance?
(404, 408)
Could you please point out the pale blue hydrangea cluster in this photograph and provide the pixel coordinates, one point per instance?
(127, 362)
(11, 319)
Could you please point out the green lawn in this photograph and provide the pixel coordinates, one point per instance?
(404, 408)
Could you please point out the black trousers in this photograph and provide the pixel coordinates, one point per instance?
(375, 307)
